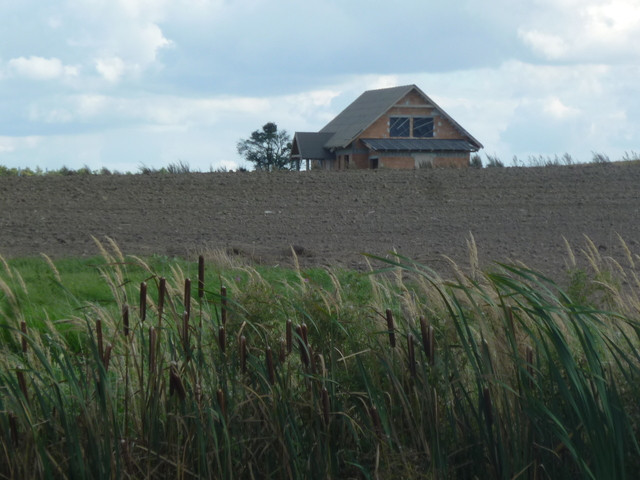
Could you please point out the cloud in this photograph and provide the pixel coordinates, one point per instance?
(586, 31)
(39, 68)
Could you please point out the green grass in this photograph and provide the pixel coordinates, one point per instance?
(315, 373)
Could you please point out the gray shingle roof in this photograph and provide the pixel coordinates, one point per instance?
(362, 112)
(310, 145)
(418, 145)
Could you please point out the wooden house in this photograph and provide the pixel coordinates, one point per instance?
(399, 127)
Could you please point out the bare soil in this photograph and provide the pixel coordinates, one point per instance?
(331, 218)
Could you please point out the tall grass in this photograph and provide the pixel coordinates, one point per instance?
(499, 374)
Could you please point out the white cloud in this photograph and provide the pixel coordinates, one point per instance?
(111, 68)
(591, 30)
(39, 68)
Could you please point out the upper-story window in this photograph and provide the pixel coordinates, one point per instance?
(400, 127)
(416, 127)
(422, 127)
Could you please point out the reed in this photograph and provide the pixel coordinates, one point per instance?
(509, 377)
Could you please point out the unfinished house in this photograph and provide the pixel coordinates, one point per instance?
(399, 127)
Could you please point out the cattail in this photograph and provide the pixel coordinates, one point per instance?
(289, 335)
(375, 420)
(486, 405)
(200, 277)
(325, 405)
(99, 337)
(13, 428)
(412, 355)
(152, 349)
(312, 360)
(427, 340)
(243, 354)
(391, 328)
(270, 368)
(143, 301)
(175, 383)
(125, 320)
(22, 383)
(223, 305)
(222, 339)
(304, 330)
(23, 329)
(162, 287)
(185, 330)
(187, 296)
(107, 357)
(222, 403)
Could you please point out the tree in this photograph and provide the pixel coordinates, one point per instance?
(268, 149)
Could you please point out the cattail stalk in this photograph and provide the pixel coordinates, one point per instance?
(325, 405)
(152, 349)
(271, 372)
(412, 355)
(162, 288)
(185, 330)
(187, 296)
(391, 329)
(125, 320)
(143, 301)
(223, 305)
(222, 339)
(23, 329)
(222, 403)
(200, 277)
(289, 336)
(22, 383)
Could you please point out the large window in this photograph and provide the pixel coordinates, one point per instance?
(399, 127)
(422, 127)
(416, 127)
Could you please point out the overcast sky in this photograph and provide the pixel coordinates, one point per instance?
(126, 83)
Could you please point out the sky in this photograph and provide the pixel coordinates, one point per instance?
(125, 84)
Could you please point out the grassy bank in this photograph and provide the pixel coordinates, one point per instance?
(126, 367)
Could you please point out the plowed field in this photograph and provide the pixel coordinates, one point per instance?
(330, 218)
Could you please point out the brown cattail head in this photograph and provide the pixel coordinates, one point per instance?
(23, 329)
(222, 339)
(411, 355)
(200, 277)
(243, 354)
(175, 383)
(143, 301)
(125, 320)
(162, 288)
(271, 372)
(223, 305)
(289, 335)
(427, 340)
(305, 333)
(325, 405)
(100, 340)
(391, 328)
(187, 296)
(107, 357)
(152, 349)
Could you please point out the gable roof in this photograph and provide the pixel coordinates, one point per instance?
(368, 108)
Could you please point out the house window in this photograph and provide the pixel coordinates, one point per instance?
(422, 127)
(399, 127)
